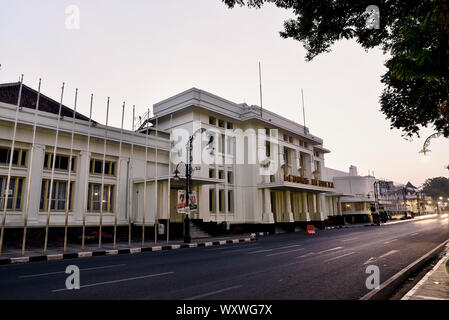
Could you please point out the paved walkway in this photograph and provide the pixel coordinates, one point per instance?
(435, 284)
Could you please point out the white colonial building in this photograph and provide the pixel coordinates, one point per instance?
(262, 170)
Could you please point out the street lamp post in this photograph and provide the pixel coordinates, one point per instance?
(188, 174)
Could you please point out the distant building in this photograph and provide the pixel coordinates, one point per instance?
(361, 193)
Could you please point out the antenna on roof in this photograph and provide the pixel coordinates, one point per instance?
(303, 110)
(260, 88)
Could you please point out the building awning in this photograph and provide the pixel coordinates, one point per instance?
(181, 181)
(293, 186)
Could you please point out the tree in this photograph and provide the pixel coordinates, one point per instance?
(436, 188)
(414, 32)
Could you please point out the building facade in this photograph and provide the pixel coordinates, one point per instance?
(262, 170)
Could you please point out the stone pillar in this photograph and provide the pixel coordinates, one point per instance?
(320, 208)
(80, 185)
(314, 205)
(268, 213)
(36, 184)
(305, 207)
(288, 207)
(339, 207)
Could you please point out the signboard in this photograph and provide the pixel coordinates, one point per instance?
(193, 202)
(161, 228)
(181, 204)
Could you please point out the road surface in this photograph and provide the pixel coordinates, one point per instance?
(328, 265)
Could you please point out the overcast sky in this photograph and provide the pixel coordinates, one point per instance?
(144, 51)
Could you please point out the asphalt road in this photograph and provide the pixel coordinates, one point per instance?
(329, 265)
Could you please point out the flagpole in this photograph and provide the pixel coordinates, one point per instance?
(27, 205)
(130, 182)
(260, 88)
(145, 182)
(102, 177)
(11, 156)
(86, 189)
(47, 224)
(303, 110)
(156, 213)
(117, 202)
(69, 183)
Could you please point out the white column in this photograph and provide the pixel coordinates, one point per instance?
(268, 213)
(314, 205)
(288, 207)
(339, 207)
(36, 183)
(305, 207)
(78, 203)
(320, 206)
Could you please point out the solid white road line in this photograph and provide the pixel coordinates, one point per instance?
(338, 257)
(414, 233)
(212, 293)
(119, 280)
(283, 252)
(58, 272)
(349, 239)
(388, 253)
(390, 241)
(279, 248)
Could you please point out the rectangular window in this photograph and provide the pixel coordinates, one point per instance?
(317, 166)
(286, 156)
(212, 121)
(230, 177)
(290, 139)
(267, 132)
(19, 158)
(94, 197)
(229, 145)
(15, 193)
(221, 123)
(58, 197)
(267, 148)
(211, 200)
(221, 200)
(96, 166)
(220, 174)
(61, 163)
(221, 143)
(285, 137)
(229, 125)
(230, 201)
(273, 201)
(211, 173)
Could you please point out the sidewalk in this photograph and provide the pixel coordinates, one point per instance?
(434, 285)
